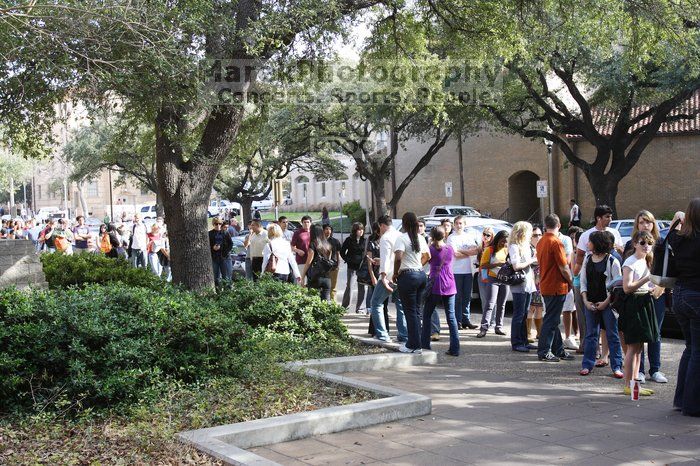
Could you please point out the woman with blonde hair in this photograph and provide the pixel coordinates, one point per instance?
(637, 320)
(279, 252)
(645, 221)
(521, 257)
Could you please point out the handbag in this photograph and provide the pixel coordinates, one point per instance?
(363, 275)
(320, 266)
(271, 266)
(507, 275)
(663, 269)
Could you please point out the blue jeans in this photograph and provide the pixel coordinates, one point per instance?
(411, 288)
(518, 325)
(550, 335)
(154, 264)
(463, 299)
(590, 346)
(655, 347)
(434, 320)
(379, 295)
(449, 303)
(223, 268)
(138, 258)
(686, 305)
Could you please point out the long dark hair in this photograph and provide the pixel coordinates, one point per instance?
(319, 241)
(499, 237)
(375, 232)
(409, 221)
(691, 224)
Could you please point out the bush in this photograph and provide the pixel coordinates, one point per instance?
(99, 345)
(355, 211)
(63, 271)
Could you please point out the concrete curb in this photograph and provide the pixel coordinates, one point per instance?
(228, 442)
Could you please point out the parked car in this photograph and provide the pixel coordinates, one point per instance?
(470, 222)
(265, 204)
(218, 207)
(238, 256)
(148, 211)
(625, 227)
(453, 211)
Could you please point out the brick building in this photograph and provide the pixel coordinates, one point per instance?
(497, 173)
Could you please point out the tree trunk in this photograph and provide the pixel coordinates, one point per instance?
(604, 187)
(246, 209)
(81, 198)
(160, 210)
(379, 194)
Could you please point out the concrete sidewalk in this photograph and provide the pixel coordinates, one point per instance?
(494, 406)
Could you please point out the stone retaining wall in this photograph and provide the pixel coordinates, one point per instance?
(20, 265)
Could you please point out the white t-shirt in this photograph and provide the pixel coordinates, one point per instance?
(257, 243)
(583, 241)
(410, 258)
(575, 213)
(639, 270)
(568, 244)
(528, 286)
(464, 240)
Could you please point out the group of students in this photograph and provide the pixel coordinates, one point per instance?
(603, 285)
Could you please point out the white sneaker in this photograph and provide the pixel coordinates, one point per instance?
(570, 343)
(642, 379)
(659, 377)
(404, 349)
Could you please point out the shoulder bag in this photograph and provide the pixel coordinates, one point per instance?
(271, 266)
(663, 269)
(507, 275)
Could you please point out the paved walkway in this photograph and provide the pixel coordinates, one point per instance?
(494, 406)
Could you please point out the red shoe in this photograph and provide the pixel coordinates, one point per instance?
(618, 375)
(584, 372)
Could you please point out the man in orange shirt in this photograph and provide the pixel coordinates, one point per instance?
(555, 283)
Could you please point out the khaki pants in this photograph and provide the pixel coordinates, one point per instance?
(334, 281)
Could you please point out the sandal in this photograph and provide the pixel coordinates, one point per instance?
(618, 374)
(584, 372)
(601, 363)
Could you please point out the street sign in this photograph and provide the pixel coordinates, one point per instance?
(542, 188)
(448, 189)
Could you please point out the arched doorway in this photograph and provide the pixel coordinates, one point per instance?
(522, 195)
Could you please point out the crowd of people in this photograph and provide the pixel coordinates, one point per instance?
(599, 287)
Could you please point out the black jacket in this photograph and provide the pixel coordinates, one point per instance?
(352, 251)
(226, 246)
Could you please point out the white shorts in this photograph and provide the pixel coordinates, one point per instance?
(569, 303)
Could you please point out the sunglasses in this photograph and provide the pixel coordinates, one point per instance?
(487, 235)
(646, 243)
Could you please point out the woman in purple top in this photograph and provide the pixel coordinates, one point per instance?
(444, 289)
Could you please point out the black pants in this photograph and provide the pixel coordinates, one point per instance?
(283, 277)
(323, 284)
(256, 265)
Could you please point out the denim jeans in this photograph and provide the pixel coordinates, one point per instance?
(448, 302)
(518, 325)
(686, 305)
(550, 335)
(138, 258)
(493, 301)
(223, 268)
(463, 299)
(654, 348)
(434, 320)
(323, 284)
(379, 295)
(411, 288)
(590, 342)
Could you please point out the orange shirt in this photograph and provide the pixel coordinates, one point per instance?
(551, 255)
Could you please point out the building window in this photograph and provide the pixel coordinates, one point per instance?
(92, 189)
(323, 189)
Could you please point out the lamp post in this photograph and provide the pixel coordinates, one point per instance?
(550, 175)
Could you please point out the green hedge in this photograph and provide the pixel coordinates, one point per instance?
(99, 345)
(355, 211)
(63, 271)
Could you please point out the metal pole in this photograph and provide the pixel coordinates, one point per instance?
(111, 199)
(550, 175)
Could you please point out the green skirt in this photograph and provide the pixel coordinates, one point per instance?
(638, 319)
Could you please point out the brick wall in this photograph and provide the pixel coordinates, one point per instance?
(19, 265)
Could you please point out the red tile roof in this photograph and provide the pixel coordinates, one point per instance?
(605, 119)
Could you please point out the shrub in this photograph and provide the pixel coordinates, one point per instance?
(355, 211)
(99, 345)
(63, 271)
